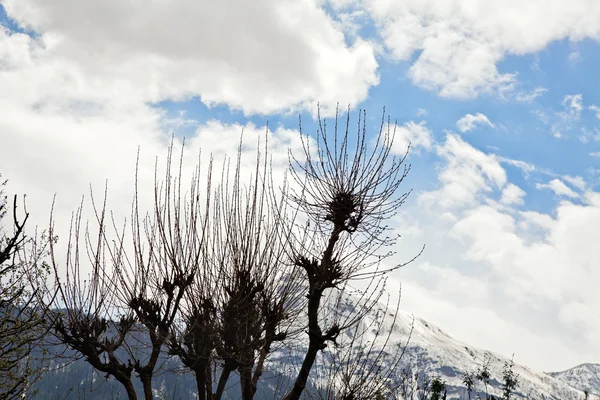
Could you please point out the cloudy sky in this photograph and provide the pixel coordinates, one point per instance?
(499, 101)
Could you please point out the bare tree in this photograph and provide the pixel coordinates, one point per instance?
(246, 297)
(129, 303)
(246, 290)
(21, 272)
(88, 318)
(349, 192)
(167, 249)
(221, 277)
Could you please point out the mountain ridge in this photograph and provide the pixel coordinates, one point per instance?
(427, 348)
(584, 377)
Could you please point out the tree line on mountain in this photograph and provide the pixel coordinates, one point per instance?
(226, 277)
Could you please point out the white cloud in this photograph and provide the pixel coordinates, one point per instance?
(529, 97)
(574, 57)
(291, 53)
(595, 109)
(467, 174)
(417, 135)
(552, 268)
(512, 194)
(573, 104)
(535, 219)
(92, 151)
(449, 282)
(522, 165)
(460, 43)
(571, 114)
(470, 122)
(595, 154)
(63, 130)
(577, 315)
(537, 268)
(588, 135)
(576, 181)
(421, 112)
(486, 326)
(532, 268)
(541, 115)
(559, 188)
(485, 225)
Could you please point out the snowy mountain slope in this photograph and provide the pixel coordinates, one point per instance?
(434, 352)
(582, 377)
(429, 351)
(439, 354)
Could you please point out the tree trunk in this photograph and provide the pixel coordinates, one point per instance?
(302, 378)
(317, 283)
(131, 394)
(208, 381)
(128, 385)
(260, 364)
(315, 344)
(147, 383)
(246, 382)
(200, 373)
(222, 382)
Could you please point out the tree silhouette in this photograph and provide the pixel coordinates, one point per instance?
(349, 191)
(22, 273)
(222, 275)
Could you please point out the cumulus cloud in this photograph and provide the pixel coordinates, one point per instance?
(554, 266)
(534, 266)
(291, 54)
(434, 306)
(459, 43)
(533, 219)
(468, 172)
(512, 194)
(559, 188)
(64, 131)
(415, 134)
(93, 152)
(470, 122)
(576, 181)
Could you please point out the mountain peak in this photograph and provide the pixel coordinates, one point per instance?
(584, 377)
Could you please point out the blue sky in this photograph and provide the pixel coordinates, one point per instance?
(500, 102)
(519, 132)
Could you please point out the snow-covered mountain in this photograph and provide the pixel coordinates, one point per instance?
(431, 351)
(583, 377)
(428, 351)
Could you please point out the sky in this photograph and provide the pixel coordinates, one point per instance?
(499, 101)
